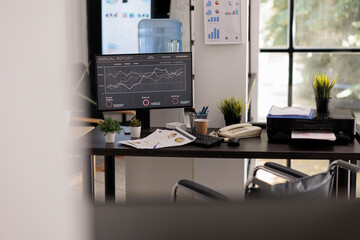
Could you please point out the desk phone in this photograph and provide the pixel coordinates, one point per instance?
(241, 130)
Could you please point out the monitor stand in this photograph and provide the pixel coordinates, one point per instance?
(144, 116)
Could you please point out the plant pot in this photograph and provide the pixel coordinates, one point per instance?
(110, 137)
(232, 120)
(135, 132)
(322, 105)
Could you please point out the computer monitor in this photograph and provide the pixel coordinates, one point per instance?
(144, 81)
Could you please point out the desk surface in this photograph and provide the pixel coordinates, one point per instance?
(258, 147)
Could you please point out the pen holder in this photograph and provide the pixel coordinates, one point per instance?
(194, 116)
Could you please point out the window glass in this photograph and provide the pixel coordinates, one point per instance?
(273, 82)
(310, 167)
(274, 22)
(327, 23)
(346, 92)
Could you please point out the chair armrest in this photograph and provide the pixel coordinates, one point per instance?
(85, 120)
(279, 171)
(286, 170)
(130, 112)
(345, 165)
(264, 185)
(198, 189)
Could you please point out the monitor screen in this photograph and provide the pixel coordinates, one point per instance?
(119, 20)
(143, 81)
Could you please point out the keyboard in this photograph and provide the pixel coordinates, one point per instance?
(207, 141)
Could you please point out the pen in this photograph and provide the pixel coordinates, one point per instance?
(156, 145)
(205, 111)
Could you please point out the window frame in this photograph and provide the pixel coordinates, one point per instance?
(291, 50)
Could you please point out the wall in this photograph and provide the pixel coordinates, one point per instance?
(34, 66)
(220, 71)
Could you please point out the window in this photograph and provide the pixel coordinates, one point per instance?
(299, 38)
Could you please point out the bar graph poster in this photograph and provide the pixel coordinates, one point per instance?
(222, 22)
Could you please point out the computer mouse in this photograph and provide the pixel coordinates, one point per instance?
(234, 142)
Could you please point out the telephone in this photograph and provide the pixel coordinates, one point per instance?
(240, 130)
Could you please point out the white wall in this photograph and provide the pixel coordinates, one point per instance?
(254, 53)
(220, 71)
(35, 57)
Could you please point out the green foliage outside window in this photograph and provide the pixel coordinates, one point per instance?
(318, 24)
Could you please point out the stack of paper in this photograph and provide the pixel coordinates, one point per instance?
(291, 112)
(329, 136)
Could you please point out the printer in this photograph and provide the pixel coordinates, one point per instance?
(339, 121)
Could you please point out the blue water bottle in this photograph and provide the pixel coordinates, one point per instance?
(160, 35)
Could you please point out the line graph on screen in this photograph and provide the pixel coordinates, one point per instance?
(152, 78)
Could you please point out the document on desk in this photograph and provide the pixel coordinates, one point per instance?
(291, 112)
(323, 135)
(161, 138)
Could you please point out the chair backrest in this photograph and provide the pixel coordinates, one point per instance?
(318, 186)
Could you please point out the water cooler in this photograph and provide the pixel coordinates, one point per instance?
(160, 35)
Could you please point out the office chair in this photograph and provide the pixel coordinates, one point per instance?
(297, 185)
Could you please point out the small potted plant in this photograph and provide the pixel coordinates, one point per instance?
(109, 127)
(232, 109)
(135, 128)
(322, 88)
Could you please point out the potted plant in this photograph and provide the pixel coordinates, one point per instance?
(109, 127)
(322, 88)
(135, 128)
(232, 109)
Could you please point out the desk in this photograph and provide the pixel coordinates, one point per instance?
(93, 143)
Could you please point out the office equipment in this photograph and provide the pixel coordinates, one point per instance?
(341, 122)
(143, 82)
(93, 144)
(241, 130)
(297, 184)
(234, 142)
(207, 141)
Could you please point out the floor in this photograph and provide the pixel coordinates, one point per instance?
(75, 181)
(308, 166)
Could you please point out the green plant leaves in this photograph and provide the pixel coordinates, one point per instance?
(322, 85)
(109, 126)
(135, 122)
(231, 107)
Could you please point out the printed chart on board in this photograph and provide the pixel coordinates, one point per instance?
(222, 22)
